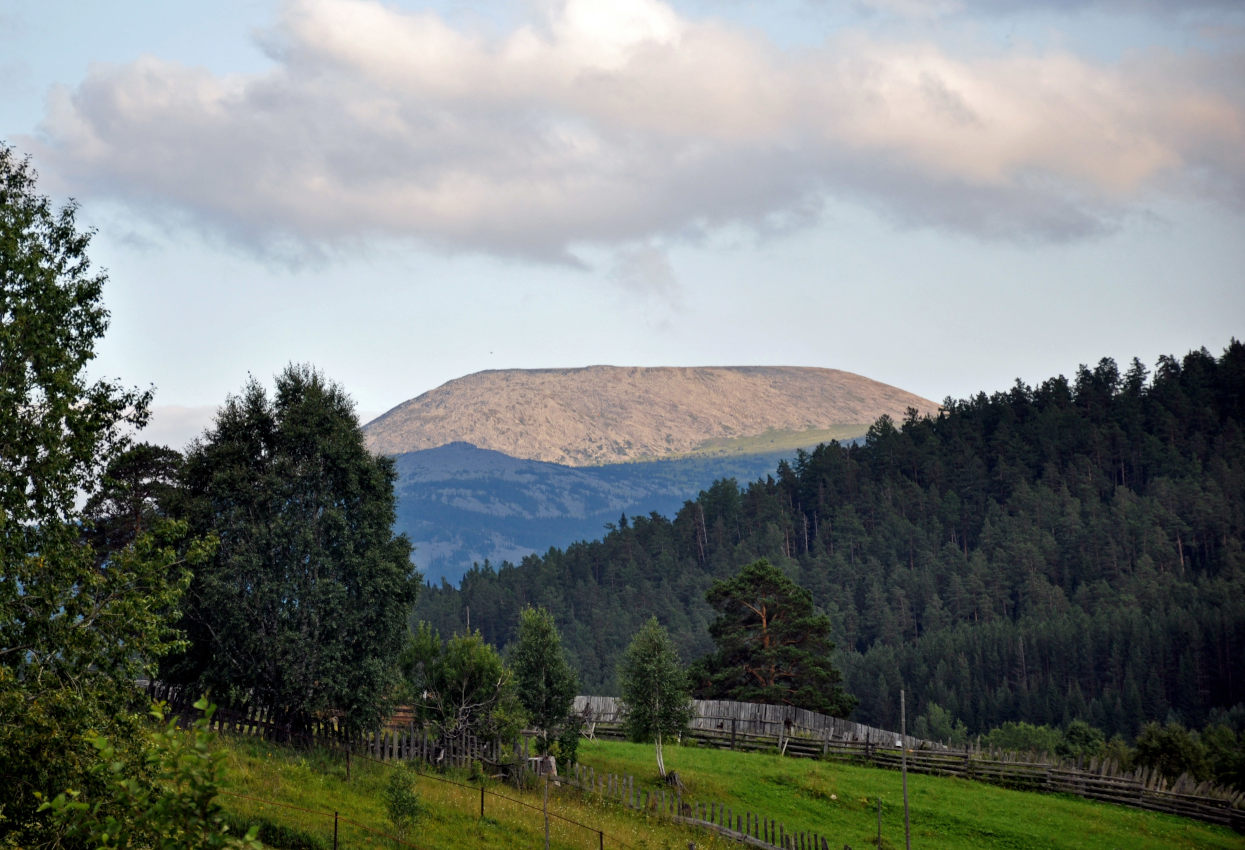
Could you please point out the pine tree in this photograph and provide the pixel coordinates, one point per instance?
(772, 645)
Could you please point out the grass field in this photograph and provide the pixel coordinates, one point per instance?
(834, 799)
(840, 800)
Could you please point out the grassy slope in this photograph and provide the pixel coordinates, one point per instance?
(775, 441)
(836, 800)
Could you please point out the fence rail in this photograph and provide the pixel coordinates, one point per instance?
(747, 726)
(750, 726)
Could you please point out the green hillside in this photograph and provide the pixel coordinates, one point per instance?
(301, 791)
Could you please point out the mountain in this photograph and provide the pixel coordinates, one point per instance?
(462, 505)
(608, 414)
(501, 464)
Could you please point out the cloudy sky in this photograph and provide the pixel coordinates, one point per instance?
(943, 195)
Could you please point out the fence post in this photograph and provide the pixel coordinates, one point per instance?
(481, 798)
(334, 830)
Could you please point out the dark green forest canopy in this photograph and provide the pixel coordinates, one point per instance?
(1067, 550)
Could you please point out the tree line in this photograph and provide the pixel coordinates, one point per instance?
(1066, 551)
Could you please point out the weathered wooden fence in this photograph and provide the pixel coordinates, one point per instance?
(391, 742)
(747, 726)
(750, 725)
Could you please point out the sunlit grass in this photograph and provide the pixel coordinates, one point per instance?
(315, 785)
(839, 801)
(833, 799)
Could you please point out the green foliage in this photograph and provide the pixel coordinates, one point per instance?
(401, 801)
(137, 489)
(1081, 741)
(78, 625)
(654, 687)
(274, 835)
(937, 724)
(461, 688)
(772, 645)
(1021, 737)
(1172, 750)
(175, 809)
(303, 609)
(545, 682)
(1225, 754)
(56, 429)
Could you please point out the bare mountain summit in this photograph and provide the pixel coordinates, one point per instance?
(609, 414)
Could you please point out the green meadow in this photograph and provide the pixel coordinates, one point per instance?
(301, 790)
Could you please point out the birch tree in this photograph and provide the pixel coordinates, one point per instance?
(654, 688)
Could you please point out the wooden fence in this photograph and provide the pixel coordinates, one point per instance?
(746, 726)
(391, 742)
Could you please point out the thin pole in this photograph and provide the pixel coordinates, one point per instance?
(879, 821)
(546, 811)
(334, 830)
(903, 761)
(481, 799)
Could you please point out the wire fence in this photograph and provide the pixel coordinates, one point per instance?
(486, 804)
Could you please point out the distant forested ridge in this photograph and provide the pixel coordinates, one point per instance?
(1069, 550)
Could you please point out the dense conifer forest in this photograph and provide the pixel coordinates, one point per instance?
(1069, 550)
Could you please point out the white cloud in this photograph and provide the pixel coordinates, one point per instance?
(615, 124)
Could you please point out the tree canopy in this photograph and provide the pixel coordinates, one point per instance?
(546, 683)
(654, 688)
(460, 687)
(772, 645)
(77, 626)
(304, 606)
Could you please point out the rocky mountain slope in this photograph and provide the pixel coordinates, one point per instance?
(608, 414)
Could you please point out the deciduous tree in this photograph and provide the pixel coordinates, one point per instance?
(303, 608)
(654, 688)
(461, 687)
(546, 683)
(77, 627)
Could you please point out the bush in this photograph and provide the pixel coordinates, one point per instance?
(1171, 749)
(401, 802)
(1081, 741)
(276, 836)
(1023, 738)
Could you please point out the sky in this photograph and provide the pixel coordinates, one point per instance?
(946, 196)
